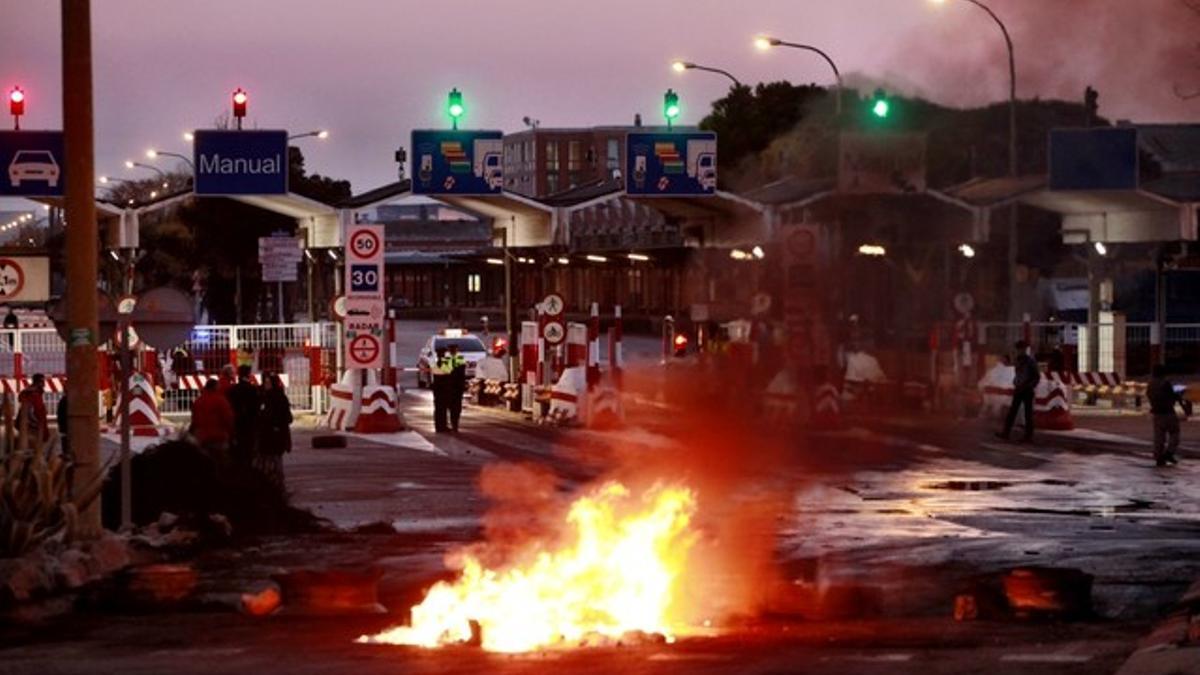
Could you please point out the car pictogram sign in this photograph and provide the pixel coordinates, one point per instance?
(12, 278)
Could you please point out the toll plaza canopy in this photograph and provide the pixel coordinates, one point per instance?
(1124, 184)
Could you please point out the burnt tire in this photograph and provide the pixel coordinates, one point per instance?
(328, 441)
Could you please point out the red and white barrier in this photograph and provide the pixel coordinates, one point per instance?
(827, 408)
(379, 412)
(144, 418)
(374, 411)
(54, 384)
(1087, 379)
(1051, 398)
(567, 396)
(196, 382)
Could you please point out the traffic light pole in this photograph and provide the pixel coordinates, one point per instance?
(83, 425)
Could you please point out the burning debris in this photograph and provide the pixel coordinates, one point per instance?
(613, 572)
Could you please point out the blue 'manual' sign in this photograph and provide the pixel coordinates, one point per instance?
(240, 162)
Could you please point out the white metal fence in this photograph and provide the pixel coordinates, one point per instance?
(1130, 349)
(300, 351)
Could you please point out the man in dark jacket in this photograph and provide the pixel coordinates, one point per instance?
(1025, 382)
(1163, 398)
(244, 399)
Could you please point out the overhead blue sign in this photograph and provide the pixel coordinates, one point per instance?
(449, 162)
(1094, 159)
(32, 164)
(240, 162)
(667, 163)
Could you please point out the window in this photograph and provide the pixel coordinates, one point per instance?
(473, 283)
(551, 183)
(574, 156)
(552, 157)
(614, 154)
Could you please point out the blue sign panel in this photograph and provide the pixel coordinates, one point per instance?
(1093, 159)
(240, 162)
(667, 163)
(32, 164)
(364, 278)
(457, 162)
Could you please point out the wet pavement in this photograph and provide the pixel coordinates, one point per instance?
(941, 508)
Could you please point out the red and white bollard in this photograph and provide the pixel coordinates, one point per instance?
(616, 359)
(593, 364)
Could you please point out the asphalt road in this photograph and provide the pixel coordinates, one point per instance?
(908, 513)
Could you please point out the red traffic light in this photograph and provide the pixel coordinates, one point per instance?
(681, 340)
(16, 102)
(240, 98)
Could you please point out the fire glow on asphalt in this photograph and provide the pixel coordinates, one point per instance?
(614, 572)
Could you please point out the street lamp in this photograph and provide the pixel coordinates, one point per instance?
(1012, 83)
(766, 42)
(129, 164)
(154, 154)
(681, 66)
(320, 133)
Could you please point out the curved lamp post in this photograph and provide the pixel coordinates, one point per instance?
(682, 66)
(766, 42)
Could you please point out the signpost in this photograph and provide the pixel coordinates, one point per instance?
(452, 162)
(240, 162)
(671, 164)
(365, 312)
(280, 256)
(24, 279)
(32, 164)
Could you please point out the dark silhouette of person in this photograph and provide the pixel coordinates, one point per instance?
(244, 399)
(1025, 381)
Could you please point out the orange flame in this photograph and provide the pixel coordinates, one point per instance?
(616, 573)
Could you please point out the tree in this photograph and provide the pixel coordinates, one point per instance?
(315, 186)
(747, 120)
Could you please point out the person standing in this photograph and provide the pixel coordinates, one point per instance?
(1163, 399)
(275, 434)
(458, 385)
(244, 399)
(61, 415)
(1025, 382)
(32, 423)
(11, 322)
(212, 422)
(440, 371)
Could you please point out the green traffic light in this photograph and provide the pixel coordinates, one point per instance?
(881, 108)
(670, 106)
(455, 106)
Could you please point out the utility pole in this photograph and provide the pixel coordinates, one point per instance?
(510, 322)
(83, 427)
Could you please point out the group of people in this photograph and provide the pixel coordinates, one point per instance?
(238, 422)
(1161, 392)
(449, 386)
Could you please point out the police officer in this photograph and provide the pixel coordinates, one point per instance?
(458, 384)
(440, 370)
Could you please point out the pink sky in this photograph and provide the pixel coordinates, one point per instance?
(371, 70)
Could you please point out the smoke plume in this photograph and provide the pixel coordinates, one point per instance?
(1136, 53)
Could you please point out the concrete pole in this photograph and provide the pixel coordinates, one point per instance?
(83, 426)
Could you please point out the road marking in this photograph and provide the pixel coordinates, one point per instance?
(403, 439)
(1046, 658)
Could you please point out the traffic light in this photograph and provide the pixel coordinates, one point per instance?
(681, 345)
(454, 106)
(670, 106)
(881, 107)
(16, 106)
(240, 99)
